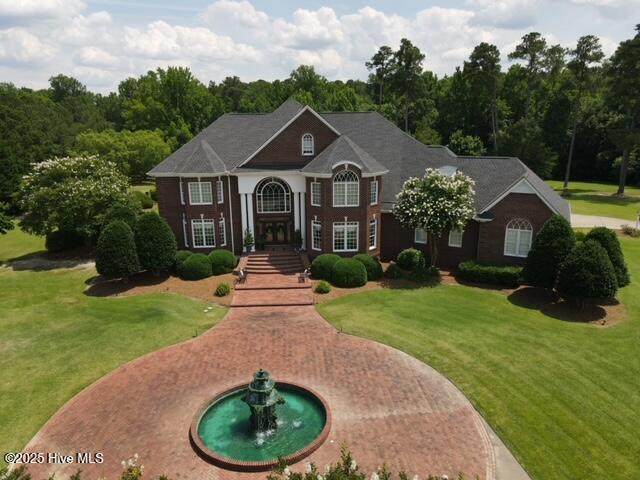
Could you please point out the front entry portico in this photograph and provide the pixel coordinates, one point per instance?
(272, 206)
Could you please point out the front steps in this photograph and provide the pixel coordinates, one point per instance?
(273, 262)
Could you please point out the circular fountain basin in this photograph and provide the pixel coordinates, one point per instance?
(222, 434)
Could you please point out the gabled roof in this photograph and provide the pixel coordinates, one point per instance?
(344, 151)
(365, 139)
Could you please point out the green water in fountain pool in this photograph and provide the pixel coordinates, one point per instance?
(225, 428)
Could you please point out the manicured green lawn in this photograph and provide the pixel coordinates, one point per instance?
(596, 199)
(16, 244)
(565, 397)
(54, 340)
(143, 187)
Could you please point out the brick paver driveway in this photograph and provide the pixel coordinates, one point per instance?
(386, 405)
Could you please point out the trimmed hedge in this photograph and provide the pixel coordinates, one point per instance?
(348, 273)
(196, 267)
(62, 240)
(587, 273)
(322, 266)
(222, 261)
(393, 272)
(116, 255)
(491, 274)
(322, 287)
(181, 256)
(155, 243)
(609, 241)
(372, 264)
(410, 259)
(424, 274)
(127, 212)
(223, 289)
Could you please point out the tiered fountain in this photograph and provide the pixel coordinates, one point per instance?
(250, 427)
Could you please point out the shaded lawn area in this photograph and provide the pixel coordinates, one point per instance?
(16, 244)
(563, 396)
(596, 199)
(54, 341)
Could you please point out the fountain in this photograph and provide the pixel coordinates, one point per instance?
(249, 427)
(262, 398)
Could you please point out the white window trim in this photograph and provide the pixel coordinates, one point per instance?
(455, 245)
(222, 232)
(220, 191)
(344, 225)
(374, 182)
(518, 231)
(346, 196)
(375, 234)
(181, 192)
(313, 243)
(191, 202)
(319, 186)
(313, 145)
(415, 236)
(204, 237)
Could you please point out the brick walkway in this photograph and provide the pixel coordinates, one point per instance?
(386, 405)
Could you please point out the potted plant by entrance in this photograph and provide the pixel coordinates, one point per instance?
(248, 240)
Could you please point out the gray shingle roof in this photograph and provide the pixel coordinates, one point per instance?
(343, 149)
(367, 139)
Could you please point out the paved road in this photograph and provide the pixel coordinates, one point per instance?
(590, 221)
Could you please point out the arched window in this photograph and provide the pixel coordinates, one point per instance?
(518, 237)
(307, 144)
(346, 189)
(273, 196)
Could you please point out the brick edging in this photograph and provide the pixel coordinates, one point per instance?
(256, 466)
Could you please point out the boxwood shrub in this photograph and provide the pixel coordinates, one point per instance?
(223, 289)
(424, 274)
(181, 256)
(609, 241)
(348, 273)
(393, 271)
(222, 261)
(62, 240)
(372, 264)
(155, 243)
(410, 259)
(322, 266)
(116, 255)
(197, 266)
(322, 287)
(494, 275)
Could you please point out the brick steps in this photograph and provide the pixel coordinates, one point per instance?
(271, 298)
(273, 263)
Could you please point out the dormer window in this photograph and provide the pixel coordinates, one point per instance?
(307, 144)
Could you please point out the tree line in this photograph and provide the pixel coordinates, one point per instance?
(567, 113)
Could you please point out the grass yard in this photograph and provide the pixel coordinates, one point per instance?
(563, 396)
(596, 199)
(54, 340)
(16, 244)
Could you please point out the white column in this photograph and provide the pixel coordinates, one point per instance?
(303, 219)
(296, 211)
(250, 218)
(243, 214)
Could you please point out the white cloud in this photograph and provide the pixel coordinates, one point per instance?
(40, 8)
(230, 14)
(19, 45)
(513, 14)
(83, 30)
(611, 8)
(96, 57)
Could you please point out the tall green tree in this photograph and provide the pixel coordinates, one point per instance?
(584, 58)
(382, 65)
(531, 50)
(624, 95)
(406, 79)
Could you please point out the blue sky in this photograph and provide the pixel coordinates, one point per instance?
(104, 41)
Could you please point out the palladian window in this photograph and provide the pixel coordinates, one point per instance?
(518, 237)
(346, 189)
(273, 196)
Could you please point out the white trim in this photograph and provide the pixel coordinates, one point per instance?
(313, 145)
(346, 162)
(330, 175)
(184, 231)
(319, 185)
(295, 117)
(455, 245)
(346, 194)
(313, 243)
(233, 244)
(344, 225)
(181, 192)
(415, 236)
(375, 234)
(517, 185)
(518, 233)
(199, 183)
(219, 191)
(202, 221)
(303, 219)
(372, 183)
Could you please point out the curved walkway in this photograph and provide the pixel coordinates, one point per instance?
(386, 405)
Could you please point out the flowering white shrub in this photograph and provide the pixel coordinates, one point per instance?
(70, 194)
(436, 203)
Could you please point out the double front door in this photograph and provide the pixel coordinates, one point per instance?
(275, 231)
